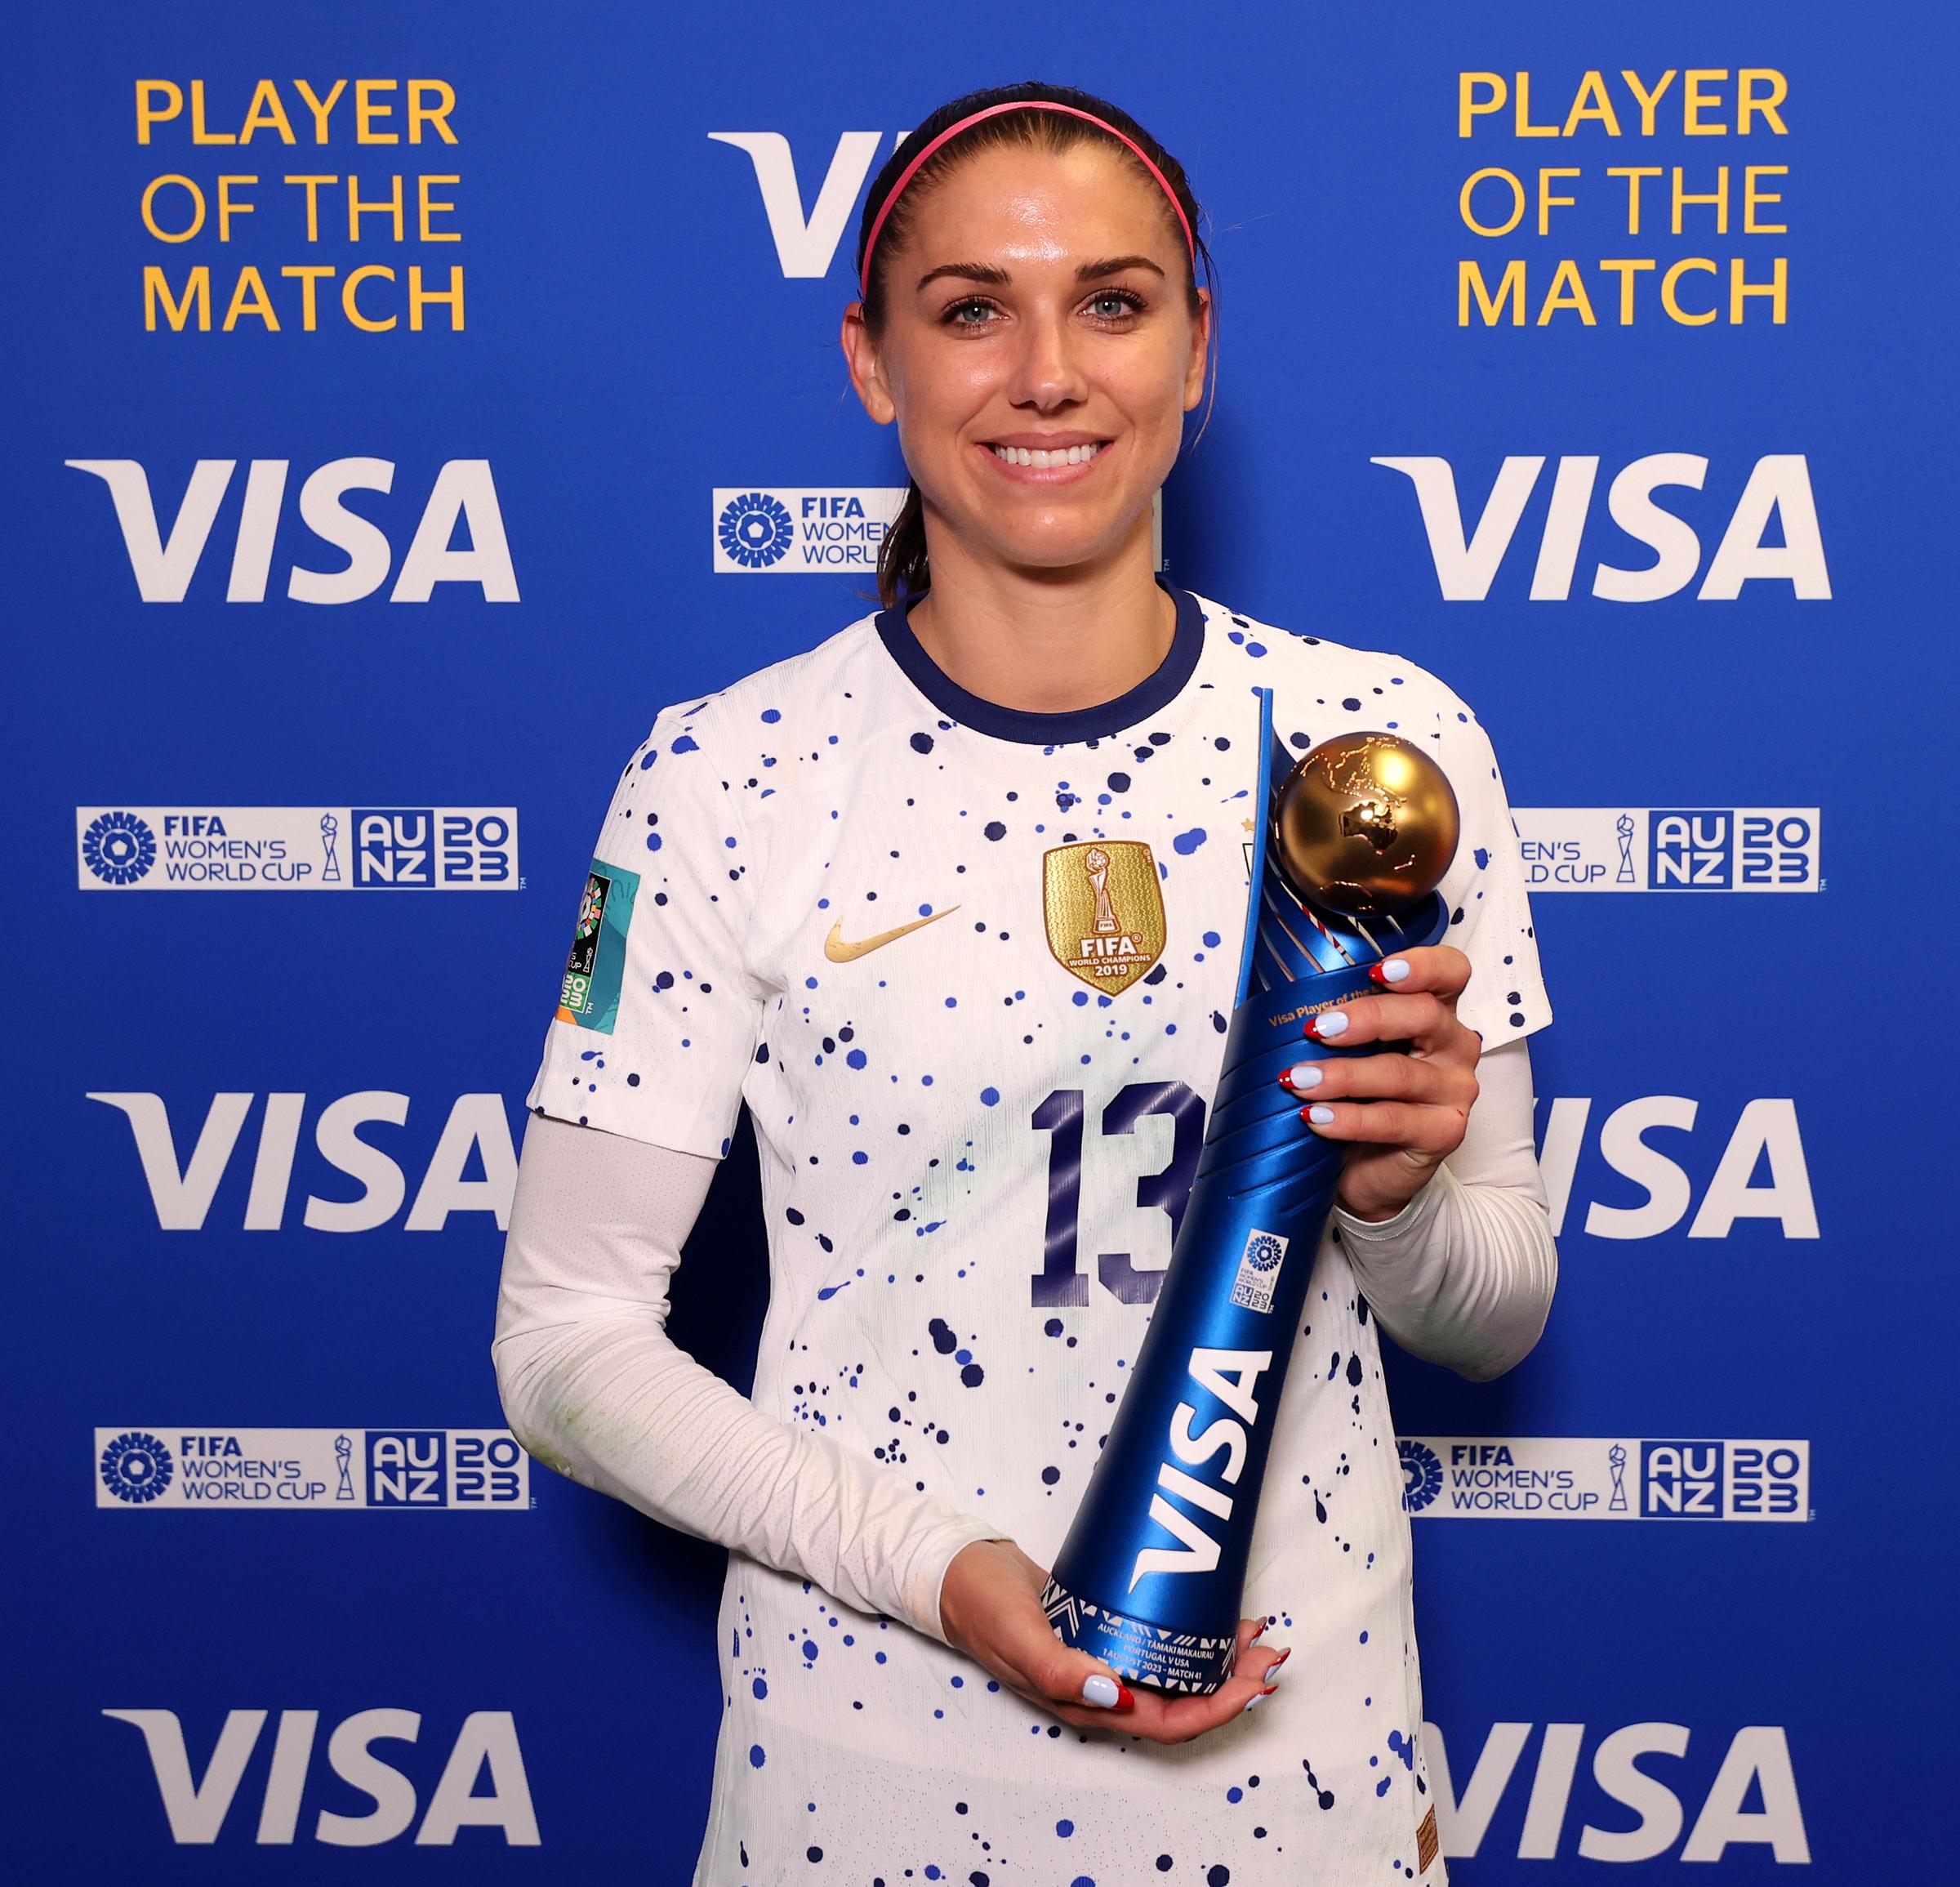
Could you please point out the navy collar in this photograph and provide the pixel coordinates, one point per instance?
(1154, 692)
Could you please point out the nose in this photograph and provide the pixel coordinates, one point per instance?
(1047, 373)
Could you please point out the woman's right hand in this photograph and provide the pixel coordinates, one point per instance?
(989, 1608)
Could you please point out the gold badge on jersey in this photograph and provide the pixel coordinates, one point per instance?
(1105, 910)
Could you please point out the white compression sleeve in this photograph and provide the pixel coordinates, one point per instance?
(1463, 1274)
(593, 1387)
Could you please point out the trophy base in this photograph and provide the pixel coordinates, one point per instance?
(1184, 1662)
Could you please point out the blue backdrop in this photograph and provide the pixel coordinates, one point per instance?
(259, 1277)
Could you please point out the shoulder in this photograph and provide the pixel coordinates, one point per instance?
(704, 780)
(1318, 680)
(771, 711)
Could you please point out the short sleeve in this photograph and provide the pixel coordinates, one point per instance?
(658, 1016)
(1489, 912)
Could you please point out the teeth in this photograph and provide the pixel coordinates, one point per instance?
(1028, 455)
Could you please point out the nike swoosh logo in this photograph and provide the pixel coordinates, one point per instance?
(838, 951)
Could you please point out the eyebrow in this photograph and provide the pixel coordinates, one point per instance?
(995, 277)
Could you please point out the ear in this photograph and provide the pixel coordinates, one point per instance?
(1201, 349)
(861, 355)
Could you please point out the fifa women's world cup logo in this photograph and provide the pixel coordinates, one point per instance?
(1150, 1576)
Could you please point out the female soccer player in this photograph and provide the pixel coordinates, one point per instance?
(847, 890)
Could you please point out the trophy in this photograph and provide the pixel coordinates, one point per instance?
(1343, 873)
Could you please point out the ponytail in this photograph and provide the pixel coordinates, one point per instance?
(902, 573)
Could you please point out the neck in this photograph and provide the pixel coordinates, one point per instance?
(1046, 641)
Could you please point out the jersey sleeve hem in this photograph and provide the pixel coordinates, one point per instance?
(926, 1582)
(1497, 1020)
(657, 1122)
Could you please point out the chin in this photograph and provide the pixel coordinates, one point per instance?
(1057, 552)
(1045, 536)
(1057, 540)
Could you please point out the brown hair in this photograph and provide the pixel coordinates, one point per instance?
(903, 570)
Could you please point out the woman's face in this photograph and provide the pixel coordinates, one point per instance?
(1037, 304)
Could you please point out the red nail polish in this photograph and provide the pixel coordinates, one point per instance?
(1304, 1112)
(1375, 976)
(1287, 1079)
(1125, 1697)
(1269, 1690)
(1312, 1028)
(1281, 1659)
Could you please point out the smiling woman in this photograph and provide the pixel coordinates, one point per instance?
(942, 902)
(1031, 318)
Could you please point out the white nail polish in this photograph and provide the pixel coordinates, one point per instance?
(1396, 969)
(1100, 1690)
(1305, 1076)
(1320, 1116)
(1334, 1022)
(1257, 1697)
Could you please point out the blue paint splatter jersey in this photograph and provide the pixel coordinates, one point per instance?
(970, 970)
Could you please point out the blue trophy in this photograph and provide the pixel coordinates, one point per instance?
(1343, 873)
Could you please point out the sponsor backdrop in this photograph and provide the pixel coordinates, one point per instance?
(402, 400)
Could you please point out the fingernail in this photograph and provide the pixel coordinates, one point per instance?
(1259, 1634)
(1104, 1692)
(1325, 1027)
(1320, 1117)
(1396, 969)
(1260, 1697)
(1304, 1076)
(1272, 1669)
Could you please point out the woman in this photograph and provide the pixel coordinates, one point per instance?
(828, 891)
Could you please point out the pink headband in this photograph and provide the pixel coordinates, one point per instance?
(913, 169)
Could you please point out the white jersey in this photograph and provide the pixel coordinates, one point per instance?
(849, 893)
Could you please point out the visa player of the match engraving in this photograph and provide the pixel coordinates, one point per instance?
(1343, 873)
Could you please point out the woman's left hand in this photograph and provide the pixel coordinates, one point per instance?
(1403, 1112)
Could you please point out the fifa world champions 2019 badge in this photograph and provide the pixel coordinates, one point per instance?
(1359, 833)
(1105, 910)
(589, 997)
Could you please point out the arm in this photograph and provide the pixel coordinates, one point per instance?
(1463, 1275)
(594, 1389)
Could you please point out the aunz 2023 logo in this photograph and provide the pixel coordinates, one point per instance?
(291, 1470)
(296, 849)
(1603, 1478)
(1671, 848)
(1712, 1480)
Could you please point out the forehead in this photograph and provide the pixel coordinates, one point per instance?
(1011, 202)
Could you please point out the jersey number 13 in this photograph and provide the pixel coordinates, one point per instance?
(1060, 1116)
